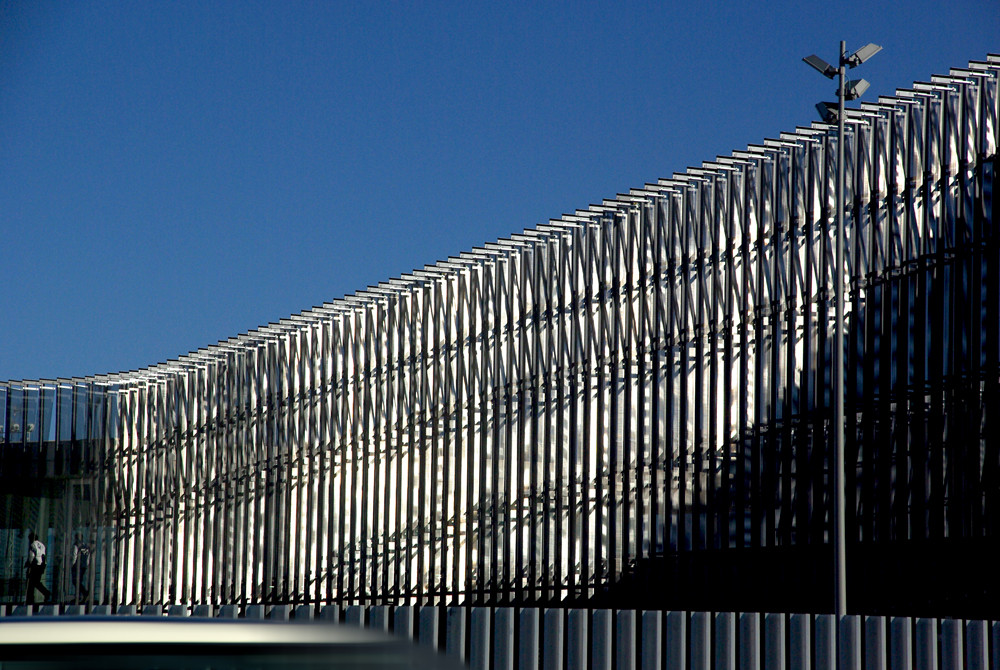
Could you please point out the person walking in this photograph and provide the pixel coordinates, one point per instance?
(36, 569)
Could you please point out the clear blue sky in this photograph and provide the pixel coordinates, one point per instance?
(176, 173)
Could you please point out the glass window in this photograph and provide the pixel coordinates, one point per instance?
(16, 414)
(80, 402)
(65, 413)
(112, 401)
(49, 414)
(32, 426)
(97, 413)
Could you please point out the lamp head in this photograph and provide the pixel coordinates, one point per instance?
(862, 54)
(855, 88)
(821, 66)
(827, 111)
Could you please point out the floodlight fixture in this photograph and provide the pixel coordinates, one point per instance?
(862, 54)
(821, 66)
(855, 88)
(828, 111)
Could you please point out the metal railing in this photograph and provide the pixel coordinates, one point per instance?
(505, 638)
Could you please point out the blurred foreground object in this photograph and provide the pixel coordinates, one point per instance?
(142, 642)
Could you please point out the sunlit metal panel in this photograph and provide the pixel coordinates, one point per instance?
(539, 418)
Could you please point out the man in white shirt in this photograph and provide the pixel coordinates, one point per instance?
(36, 568)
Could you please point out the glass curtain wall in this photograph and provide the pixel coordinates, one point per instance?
(530, 420)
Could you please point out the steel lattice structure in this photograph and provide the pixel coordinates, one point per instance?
(527, 421)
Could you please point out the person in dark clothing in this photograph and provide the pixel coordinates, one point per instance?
(36, 568)
(81, 560)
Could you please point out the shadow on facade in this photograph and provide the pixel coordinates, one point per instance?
(953, 578)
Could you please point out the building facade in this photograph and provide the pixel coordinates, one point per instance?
(606, 403)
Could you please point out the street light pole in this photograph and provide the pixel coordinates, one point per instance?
(846, 90)
(840, 516)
